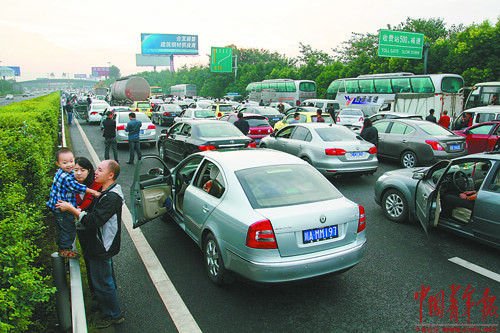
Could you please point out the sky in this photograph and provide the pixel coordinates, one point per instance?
(53, 36)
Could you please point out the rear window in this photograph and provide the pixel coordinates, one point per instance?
(484, 117)
(335, 134)
(357, 113)
(99, 107)
(172, 107)
(123, 117)
(327, 119)
(307, 86)
(225, 108)
(204, 114)
(452, 84)
(284, 185)
(267, 111)
(433, 129)
(219, 130)
(257, 122)
(143, 105)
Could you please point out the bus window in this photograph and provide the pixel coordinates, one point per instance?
(258, 87)
(281, 86)
(341, 86)
(401, 85)
(290, 87)
(307, 86)
(422, 85)
(265, 85)
(352, 86)
(366, 86)
(452, 84)
(383, 86)
(332, 90)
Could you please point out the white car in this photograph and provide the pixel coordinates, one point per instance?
(9, 96)
(97, 108)
(148, 129)
(193, 114)
(351, 118)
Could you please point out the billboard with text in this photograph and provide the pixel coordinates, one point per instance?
(167, 44)
(100, 71)
(16, 69)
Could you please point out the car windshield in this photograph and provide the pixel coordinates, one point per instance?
(123, 117)
(356, 113)
(219, 130)
(204, 114)
(331, 134)
(285, 185)
(257, 122)
(267, 111)
(172, 107)
(433, 129)
(100, 107)
(225, 108)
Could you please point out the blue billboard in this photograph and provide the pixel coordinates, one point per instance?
(169, 44)
(16, 69)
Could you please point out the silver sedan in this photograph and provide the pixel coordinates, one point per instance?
(148, 129)
(252, 213)
(330, 148)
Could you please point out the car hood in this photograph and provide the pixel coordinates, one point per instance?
(408, 172)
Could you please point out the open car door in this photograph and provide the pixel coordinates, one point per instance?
(151, 192)
(427, 205)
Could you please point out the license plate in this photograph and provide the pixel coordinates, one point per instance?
(356, 155)
(276, 119)
(142, 131)
(454, 147)
(320, 234)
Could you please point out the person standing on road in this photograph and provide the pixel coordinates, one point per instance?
(444, 120)
(69, 111)
(109, 134)
(296, 118)
(103, 224)
(431, 117)
(319, 117)
(89, 101)
(242, 124)
(369, 132)
(133, 128)
(331, 112)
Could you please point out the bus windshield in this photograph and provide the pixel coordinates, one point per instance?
(452, 84)
(307, 86)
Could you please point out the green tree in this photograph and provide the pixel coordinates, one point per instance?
(114, 72)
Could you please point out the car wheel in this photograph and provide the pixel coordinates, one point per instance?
(213, 260)
(395, 206)
(409, 159)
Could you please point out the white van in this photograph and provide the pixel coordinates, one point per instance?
(323, 104)
(480, 114)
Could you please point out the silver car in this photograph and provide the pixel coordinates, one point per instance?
(148, 129)
(252, 213)
(417, 142)
(462, 195)
(330, 148)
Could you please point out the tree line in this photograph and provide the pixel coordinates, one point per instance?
(472, 51)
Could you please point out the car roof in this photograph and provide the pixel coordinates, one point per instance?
(251, 158)
(488, 108)
(399, 114)
(318, 125)
(252, 115)
(495, 155)
(202, 121)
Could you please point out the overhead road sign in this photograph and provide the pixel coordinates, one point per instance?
(169, 44)
(100, 71)
(16, 69)
(400, 44)
(221, 60)
(151, 60)
(6, 71)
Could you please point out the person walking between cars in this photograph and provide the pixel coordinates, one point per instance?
(109, 134)
(431, 117)
(444, 120)
(102, 223)
(89, 101)
(369, 132)
(134, 129)
(319, 117)
(69, 111)
(242, 124)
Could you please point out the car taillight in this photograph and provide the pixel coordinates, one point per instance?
(362, 219)
(335, 151)
(207, 147)
(120, 128)
(93, 113)
(260, 235)
(151, 126)
(166, 114)
(152, 105)
(338, 119)
(372, 150)
(434, 144)
(252, 144)
(250, 131)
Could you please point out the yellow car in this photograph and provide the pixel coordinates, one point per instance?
(142, 106)
(305, 117)
(221, 109)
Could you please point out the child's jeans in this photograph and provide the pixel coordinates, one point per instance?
(66, 229)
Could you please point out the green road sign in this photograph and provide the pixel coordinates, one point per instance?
(400, 44)
(221, 60)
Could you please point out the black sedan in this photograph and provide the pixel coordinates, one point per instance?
(187, 137)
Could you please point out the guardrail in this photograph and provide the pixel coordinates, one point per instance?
(70, 305)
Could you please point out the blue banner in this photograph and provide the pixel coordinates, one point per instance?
(169, 44)
(16, 69)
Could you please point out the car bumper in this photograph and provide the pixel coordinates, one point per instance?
(149, 137)
(298, 269)
(95, 119)
(443, 155)
(335, 167)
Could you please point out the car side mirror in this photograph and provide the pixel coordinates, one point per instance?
(418, 175)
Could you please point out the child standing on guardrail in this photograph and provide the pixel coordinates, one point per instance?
(64, 187)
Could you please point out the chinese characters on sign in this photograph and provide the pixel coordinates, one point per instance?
(400, 44)
(100, 71)
(457, 308)
(169, 44)
(221, 60)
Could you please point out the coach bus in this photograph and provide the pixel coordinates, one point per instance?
(156, 91)
(290, 91)
(183, 90)
(400, 92)
(482, 94)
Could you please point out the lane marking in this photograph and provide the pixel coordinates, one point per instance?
(176, 307)
(476, 268)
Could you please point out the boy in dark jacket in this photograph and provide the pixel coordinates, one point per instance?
(102, 228)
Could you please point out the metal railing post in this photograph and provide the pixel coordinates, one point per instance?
(63, 306)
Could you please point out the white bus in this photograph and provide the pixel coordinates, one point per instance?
(483, 94)
(290, 91)
(400, 92)
(183, 90)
